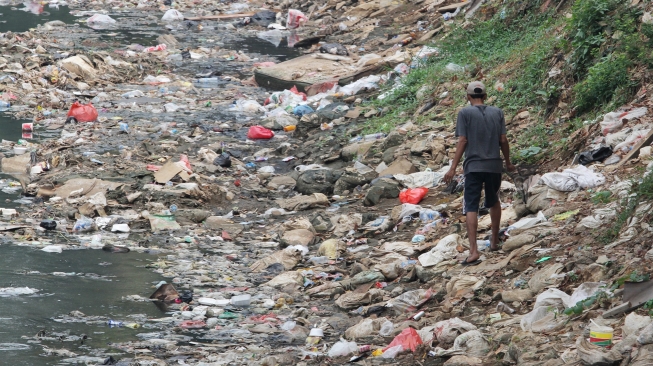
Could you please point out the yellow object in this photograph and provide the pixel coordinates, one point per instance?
(132, 325)
(565, 215)
(377, 352)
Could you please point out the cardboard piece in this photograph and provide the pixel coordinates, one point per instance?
(167, 172)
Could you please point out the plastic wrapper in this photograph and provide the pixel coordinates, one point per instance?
(295, 19)
(408, 339)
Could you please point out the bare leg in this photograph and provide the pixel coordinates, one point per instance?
(495, 215)
(472, 226)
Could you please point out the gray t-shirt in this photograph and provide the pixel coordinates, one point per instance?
(482, 126)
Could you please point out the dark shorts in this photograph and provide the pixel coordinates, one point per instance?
(474, 184)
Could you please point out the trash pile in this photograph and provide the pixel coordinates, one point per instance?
(286, 234)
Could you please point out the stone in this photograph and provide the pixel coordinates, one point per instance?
(316, 181)
(399, 166)
(351, 179)
(350, 152)
(373, 196)
(393, 139)
(320, 224)
(517, 295)
(460, 360)
(281, 181)
(389, 154)
(523, 115)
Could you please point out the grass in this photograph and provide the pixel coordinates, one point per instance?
(516, 53)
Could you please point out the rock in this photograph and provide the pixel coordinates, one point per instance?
(523, 115)
(427, 274)
(517, 295)
(393, 139)
(350, 152)
(461, 360)
(399, 166)
(321, 224)
(281, 181)
(298, 237)
(316, 181)
(518, 241)
(389, 154)
(634, 323)
(391, 187)
(351, 179)
(373, 196)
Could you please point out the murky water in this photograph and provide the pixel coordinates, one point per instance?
(95, 283)
(30, 14)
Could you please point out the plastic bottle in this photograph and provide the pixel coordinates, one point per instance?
(206, 81)
(241, 300)
(429, 215)
(4, 105)
(173, 208)
(374, 136)
(483, 244)
(114, 323)
(319, 260)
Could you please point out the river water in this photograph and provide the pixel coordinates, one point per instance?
(92, 282)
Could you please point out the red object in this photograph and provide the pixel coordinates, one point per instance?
(184, 159)
(225, 235)
(413, 196)
(237, 182)
(259, 132)
(295, 91)
(153, 168)
(192, 324)
(83, 113)
(28, 127)
(408, 339)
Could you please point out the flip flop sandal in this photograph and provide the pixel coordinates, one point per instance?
(474, 263)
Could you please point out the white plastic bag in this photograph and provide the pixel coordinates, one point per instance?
(571, 179)
(444, 250)
(101, 19)
(343, 348)
(172, 15)
(613, 121)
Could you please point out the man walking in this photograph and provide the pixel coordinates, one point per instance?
(481, 132)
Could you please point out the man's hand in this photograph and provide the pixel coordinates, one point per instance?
(510, 167)
(449, 176)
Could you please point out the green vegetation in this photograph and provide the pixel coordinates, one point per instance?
(588, 61)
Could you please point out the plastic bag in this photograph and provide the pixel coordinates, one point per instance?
(83, 113)
(447, 331)
(408, 339)
(295, 19)
(223, 160)
(343, 348)
(386, 329)
(301, 110)
(444, 250)
(599, 154)
(100, 18)
(392, 352)
(413, 196)
(613, 121)
(172, 15)
(408, 302)
(84, 224)
(259, 132)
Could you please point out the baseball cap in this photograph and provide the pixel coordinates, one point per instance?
(475, 87)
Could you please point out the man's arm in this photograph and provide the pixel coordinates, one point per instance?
(505, 149)
(460, 149)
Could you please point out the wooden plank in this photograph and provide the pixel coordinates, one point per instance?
(453, 7)
(635, 151)
(221, 16)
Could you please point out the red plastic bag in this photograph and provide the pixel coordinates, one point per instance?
(295, 19)
(184, 160)
(83, 113)
(295, 91)
(259, 132)
(408, 339)
(413, 196)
